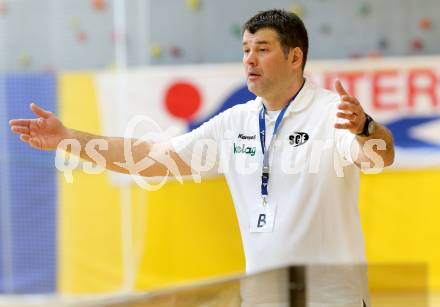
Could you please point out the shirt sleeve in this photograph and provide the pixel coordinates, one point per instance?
(200, 147)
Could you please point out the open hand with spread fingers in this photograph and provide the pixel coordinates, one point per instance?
(351, 110)
(44, 132)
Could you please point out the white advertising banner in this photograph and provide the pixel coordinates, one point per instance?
(402, 93)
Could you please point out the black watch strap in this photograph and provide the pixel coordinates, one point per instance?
(366, 131)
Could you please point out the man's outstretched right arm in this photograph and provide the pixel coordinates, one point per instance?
(47, 132)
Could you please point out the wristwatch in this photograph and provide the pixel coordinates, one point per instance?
(369, 126)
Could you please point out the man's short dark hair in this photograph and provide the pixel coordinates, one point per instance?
(290, 28)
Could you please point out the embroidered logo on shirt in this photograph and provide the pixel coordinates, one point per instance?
(247, 137)
(298, 138)
(242, 149)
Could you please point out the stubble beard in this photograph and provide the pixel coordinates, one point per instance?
(255, 89)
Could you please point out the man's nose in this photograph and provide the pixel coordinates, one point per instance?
(250, 59)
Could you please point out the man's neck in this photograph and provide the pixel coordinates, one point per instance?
(278, 102)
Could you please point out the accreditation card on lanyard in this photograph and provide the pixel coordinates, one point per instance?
(263, 215)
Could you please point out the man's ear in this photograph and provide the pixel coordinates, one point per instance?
(297, 57)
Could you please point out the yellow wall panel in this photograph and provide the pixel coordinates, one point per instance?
(400, 217)
(90, 236)
(89, 214)
(192, 233)
(78, 105)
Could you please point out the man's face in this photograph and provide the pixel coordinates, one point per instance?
(266, 66)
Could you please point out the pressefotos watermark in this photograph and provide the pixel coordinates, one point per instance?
(233, 154)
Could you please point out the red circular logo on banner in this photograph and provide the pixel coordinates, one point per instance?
(183, 100)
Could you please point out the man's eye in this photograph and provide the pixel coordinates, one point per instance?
(245, 51)
(263, 49)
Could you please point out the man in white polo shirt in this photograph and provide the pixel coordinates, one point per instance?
(291, 158)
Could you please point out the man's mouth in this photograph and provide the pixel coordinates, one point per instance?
(253, 76)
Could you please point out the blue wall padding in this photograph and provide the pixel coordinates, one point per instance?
(28, 214)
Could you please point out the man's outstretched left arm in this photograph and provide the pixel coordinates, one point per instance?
(374, 142)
